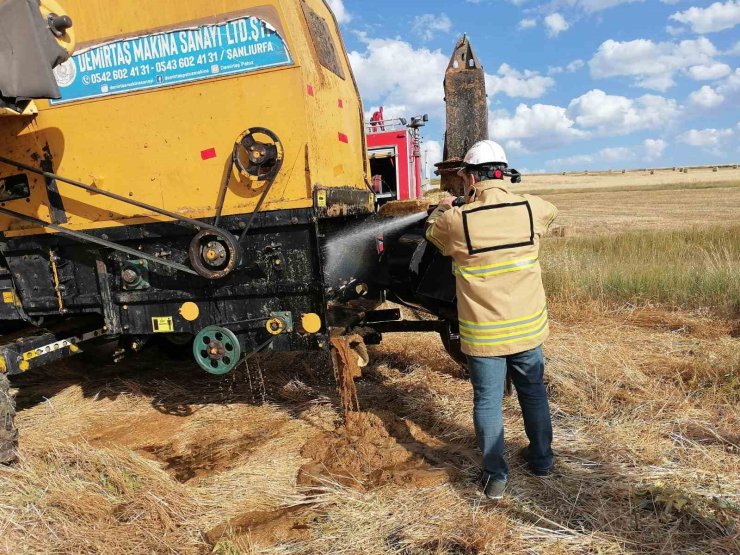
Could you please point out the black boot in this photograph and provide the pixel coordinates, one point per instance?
(541, 472)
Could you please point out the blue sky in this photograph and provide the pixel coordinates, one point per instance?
(572, 84)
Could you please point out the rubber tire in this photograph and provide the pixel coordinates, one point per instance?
(8, 431)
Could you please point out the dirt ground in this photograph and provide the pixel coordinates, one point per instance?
(596, 212)
(695, 177)
(606, 203)
(154, 456)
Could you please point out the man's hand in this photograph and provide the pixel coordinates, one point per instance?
(447, 202)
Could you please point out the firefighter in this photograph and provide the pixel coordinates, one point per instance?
(493, 240)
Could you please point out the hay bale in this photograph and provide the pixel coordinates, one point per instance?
(399, 208)
(652, 172)
(715, 169)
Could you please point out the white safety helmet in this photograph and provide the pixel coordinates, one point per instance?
(486, 152)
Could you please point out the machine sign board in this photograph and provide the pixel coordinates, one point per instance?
(236, 46)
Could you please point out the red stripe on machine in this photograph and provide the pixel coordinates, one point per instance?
(343, 138)
(208, 153)
(309, 90)
(341, 103)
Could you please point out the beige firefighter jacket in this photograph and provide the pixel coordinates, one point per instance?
(494, 244)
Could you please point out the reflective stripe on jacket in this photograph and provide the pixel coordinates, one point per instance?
(494, 243)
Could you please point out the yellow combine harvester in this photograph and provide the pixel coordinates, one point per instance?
(176, 176)
(167, 172)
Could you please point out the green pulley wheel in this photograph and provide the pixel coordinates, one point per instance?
(216, 350)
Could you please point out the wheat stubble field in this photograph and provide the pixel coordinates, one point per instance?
(152, 456)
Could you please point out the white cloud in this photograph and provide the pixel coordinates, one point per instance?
(709, 72)
(734, 51)
(569, 162)
(572, 67)
(515, 146)
(428, 26)
(555, 24)
(527, 23)
(340, 12)
(409, 80)
(706, 138)
(392, 72)
(515, 2)
(618, 115)
(650, 150)
(390, 111)
(433, 152)
(653, 148)
(514, 83)
(670, 1)
(717, 17)
(609, 154)
(594, 114)
(542, 125)
(592, 6)
(730, 87)
(615, 153)
(587, 6)
(674, 31)
(651, 65)
(706, 97)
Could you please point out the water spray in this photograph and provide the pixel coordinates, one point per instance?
(360, 242)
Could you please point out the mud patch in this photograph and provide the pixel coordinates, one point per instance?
(362, 455)
(137, 431)
(206, 453)
(188, 452)
(265, 527)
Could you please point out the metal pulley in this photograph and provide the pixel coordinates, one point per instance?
(258, 154)
(275, 326)
(279, 323)
(216, 350)
(214, 255)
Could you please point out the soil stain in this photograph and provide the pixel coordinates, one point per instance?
(188, 455)
(362, 455)
(205, 454)
(266, 527)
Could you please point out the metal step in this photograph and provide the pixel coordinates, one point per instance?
(34, 347)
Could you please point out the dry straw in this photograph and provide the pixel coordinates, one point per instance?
(155, 457)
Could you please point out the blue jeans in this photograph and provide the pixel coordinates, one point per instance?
(488, 376)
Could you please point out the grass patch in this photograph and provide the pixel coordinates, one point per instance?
(695, 268)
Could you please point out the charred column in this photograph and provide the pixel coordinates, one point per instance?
(467, 111)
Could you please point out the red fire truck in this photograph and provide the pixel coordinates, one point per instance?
(394, 146)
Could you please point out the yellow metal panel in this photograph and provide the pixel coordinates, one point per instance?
(147, 145)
